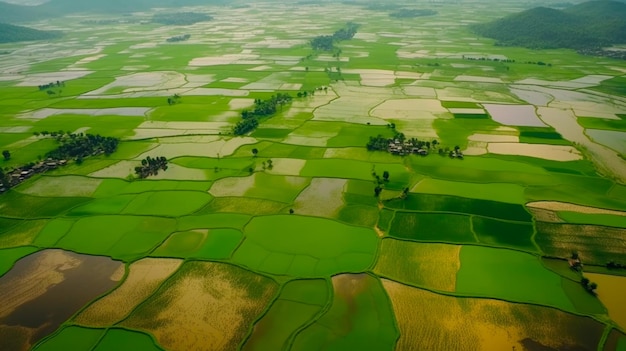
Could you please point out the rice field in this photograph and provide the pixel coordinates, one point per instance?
(233, 297)
(295, 236)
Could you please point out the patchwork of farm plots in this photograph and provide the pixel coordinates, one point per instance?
(276, 240)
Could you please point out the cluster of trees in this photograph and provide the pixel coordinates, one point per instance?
(79, 146)
(57, 84)
(495, 59)
(411, 13)
(305, 93)
(11, 34)
(615, 265)
(181, 18)
(245, 126)
(380, 183)
(262, 108)
(327, 42)
(178, 38)
(6, 154)
(588, 285)
(173, 100)
(151, 166)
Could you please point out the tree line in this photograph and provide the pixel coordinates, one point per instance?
(262, 108)
(181, 18)
(178, 38)
(327, 42)
(79, 146)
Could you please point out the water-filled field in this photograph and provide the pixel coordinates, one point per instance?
(421, 189)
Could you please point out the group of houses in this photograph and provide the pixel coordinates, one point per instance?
(397, 147)
(408, 147)
(20, 174)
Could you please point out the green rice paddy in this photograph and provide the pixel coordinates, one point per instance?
(280, 240)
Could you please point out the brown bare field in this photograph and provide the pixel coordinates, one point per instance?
(145, 277)
(205, 306)
(434, 322)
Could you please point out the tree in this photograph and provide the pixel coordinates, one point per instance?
(291, 211)
(386, 176)
(377, 190)
(584, 282)
(593, 286)
(6, 154)
(574, 255)
(255, 151)
(270, 164)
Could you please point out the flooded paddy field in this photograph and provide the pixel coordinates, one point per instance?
(296, 235)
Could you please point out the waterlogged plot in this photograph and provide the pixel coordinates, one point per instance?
(548, 152)
(323, 198)
(429, 321)
(433, 266)
(509, 275)
(176, 313)
(360, 317)
(261, 185)
(305, 246)
(298, 303)
(56, 186)
(514, 115)
(37, 281)
(143, 278)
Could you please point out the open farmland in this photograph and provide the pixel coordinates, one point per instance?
(401, 184)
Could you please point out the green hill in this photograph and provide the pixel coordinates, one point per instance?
(587, 25)
(10, 33)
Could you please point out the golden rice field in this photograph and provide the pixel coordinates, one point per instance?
(144, 277)
(433, 266)
(481, 324)
(205, 306)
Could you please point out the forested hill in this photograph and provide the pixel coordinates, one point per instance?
(10, 33)
(587, 25)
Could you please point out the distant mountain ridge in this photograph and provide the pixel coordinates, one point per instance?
(588, 25)
(10, 13)
(10, 33)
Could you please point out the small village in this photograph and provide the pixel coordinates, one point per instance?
(20, 174)
(400, 146)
